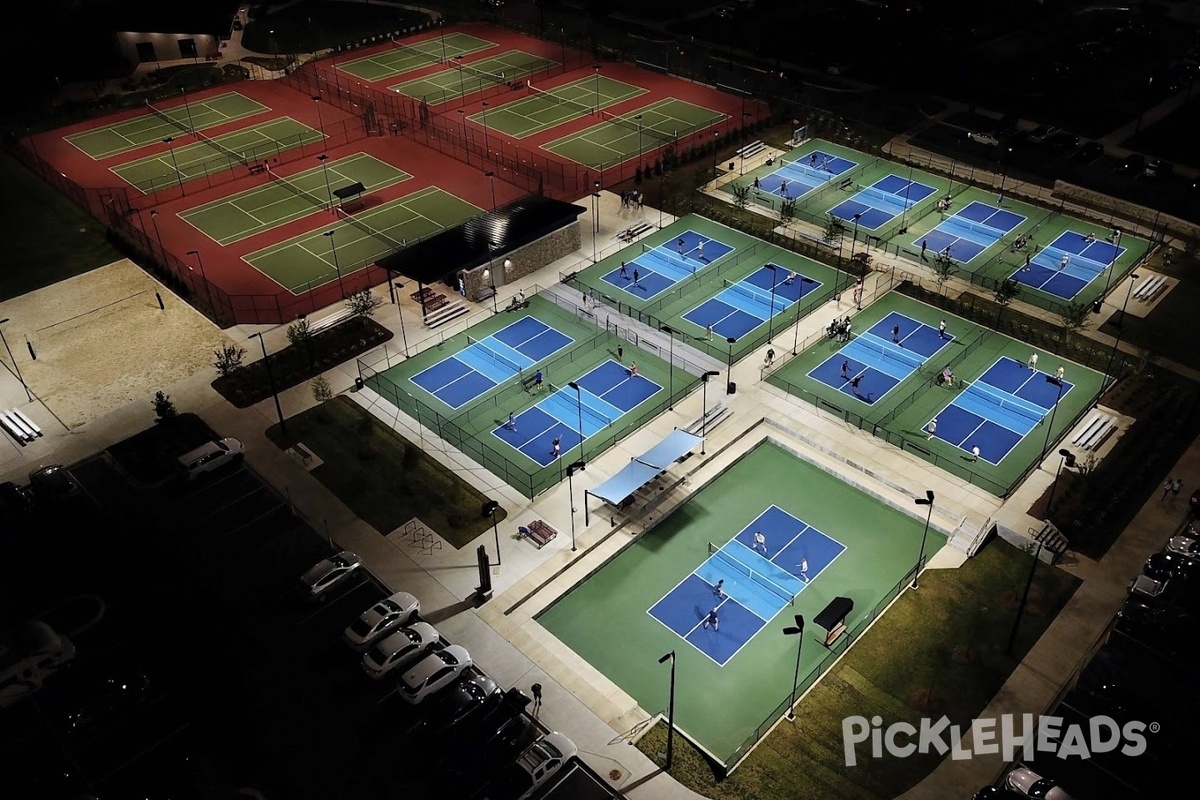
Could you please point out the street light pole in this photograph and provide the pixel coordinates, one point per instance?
(489, 509)
(271, 381)
(336, 266)
(321, 122)
(704, 405)
(1067, 457)
(491, 176)
(188, 108)
(16, 367)
(639, 122)
(157, 235)
(571, 470)
(670, 332)
(837, 289)
(597, 68)
(1120, 326)
(798, 631)
(487, 147)
(174, 164)
(670, 712)
(324, 157)
(1054, 381)
(579, 401)
(771, 320)
(927, 500)
(491, 272)
(1012, 637)
(796, 335)
(203, 277)
(729, 370)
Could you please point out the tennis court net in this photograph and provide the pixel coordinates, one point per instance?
(370, 231)
(742, 569)
(482, 75)
(220, 148)
(168, 118)
(889, 350)
(496, 357)
(430, 58)
(657, 251)
(1074, 258)
(296, 190)
(963, 224)
(584, 408)
(635, 125)
(554, 97)
(888, 199)
(1006, 401)
(755, 294)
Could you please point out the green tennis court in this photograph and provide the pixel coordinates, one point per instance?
(621, 138)
(316, 258)
(545, 109)
(403, 58)
(903, 403)
(232, 219)
(459, 80)
(231, 151)
(616, 620)
(150, 127)
(522, 456)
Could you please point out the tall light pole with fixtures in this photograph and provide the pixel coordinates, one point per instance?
(927, 500)
(489, 509)
(796, 335)
(157, 234)
(323, 158)
(1120, 326)
(491, 275)
(487, 147)
(774, 280)
(670, 711)
(1053, 381)
(597, 68)
(579, 401)
(1067, 459)
(796, 630)
(578, 466)
(837, 289)
(670, 332)
(704, 406)
(16, 367)
(491, 176)
(321, 122)
(203, 277)
(336, 266)
(271, 381)
(639, 122)
(731, 341)
(170, 142)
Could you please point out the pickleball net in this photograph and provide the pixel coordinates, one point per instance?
(751, 573)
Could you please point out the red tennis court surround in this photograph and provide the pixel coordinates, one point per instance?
(436, 144)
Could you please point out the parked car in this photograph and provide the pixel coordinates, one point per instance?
(1185, 544)
(470, 697)
(984, 138)
(997, 793)
(1134, 163)
(1159, 169)
(434, 672)
(329, 572)
(52, 483)
(1088, 152)
(1031, 784)
(1165, 566)
(533, 768)
(211, 456)
(379, 620)
(15, 501)
(510, 739)
(1063, 141)
(1042, 132)
(478, 730)
(399, 648)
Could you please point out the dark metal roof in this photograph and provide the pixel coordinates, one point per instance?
(466, 246)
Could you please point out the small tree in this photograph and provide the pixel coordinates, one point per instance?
(1006, 291)
(637, 176)
(229, 359)
(365, 430)
(322, 392)
(943, 269)
(1074, 318)
(741, 195)
(363, 303)
(299, 332)
(658, 168)
(164, 409)
(787, 211)
(834, 231)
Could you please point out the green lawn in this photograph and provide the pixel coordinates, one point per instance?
(48, 238)
(722, 706)
(383, 478)
(938, 651)
(900, 415)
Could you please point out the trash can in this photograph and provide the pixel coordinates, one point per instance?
(731, 388)
(358, 383)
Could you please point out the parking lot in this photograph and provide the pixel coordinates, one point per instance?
(243, 681)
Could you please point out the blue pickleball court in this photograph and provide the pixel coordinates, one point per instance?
(746, 304)
(963, 236)
(999, 409)
(889, 351)
(659, 267)
(607, 393)
(793, 179)
(485, 363)
(1086, 259)
(759, 582)
(882, 201)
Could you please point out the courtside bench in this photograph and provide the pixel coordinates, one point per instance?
(325, 323)
(634, 231)
(19, 426)
(1150, 287)
(1098, 428)
(539, 532)
(751, 150)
